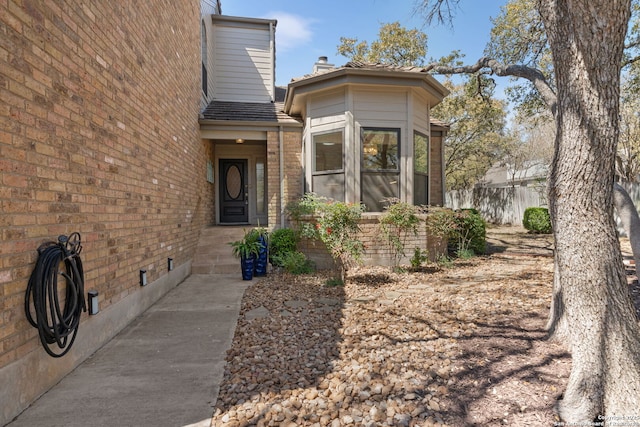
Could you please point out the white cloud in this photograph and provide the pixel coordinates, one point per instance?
(292, 30)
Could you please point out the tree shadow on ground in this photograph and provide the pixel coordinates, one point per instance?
(530, 244)
(495, 376)
(509, 374)
(372, 279)
(458, 349)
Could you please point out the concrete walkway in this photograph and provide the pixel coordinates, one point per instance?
(164, 369)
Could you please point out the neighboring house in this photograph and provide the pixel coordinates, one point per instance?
(500, 175)
(138, 129)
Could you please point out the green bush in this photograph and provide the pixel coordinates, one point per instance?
(475, 229)
(295, 263)
(398, 222)
(281, 242)
(465, 230)
(537, 220)
(334, 223)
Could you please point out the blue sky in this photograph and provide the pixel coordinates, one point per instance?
(309, 29)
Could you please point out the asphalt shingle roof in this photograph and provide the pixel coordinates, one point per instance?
(246, 111)
(365, 66)
(249, 111)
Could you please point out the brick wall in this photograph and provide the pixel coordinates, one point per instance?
(377, 250)
(292, 186)
(292, 176)
(98, 134)
(209, 198)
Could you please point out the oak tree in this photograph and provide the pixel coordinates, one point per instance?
(395, 45)
(476, 139)
(592, 312)
(476, 118)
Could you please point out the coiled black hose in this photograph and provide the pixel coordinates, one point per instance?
(57, 324)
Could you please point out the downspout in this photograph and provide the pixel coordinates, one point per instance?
(282, 198)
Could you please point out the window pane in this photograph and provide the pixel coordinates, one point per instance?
(330, 185)
(328, 151)
(420, 153)
(260, 187)
(380, 149)
(376, 187)
(420, 189)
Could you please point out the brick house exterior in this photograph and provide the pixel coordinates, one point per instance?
(99, 134)
(119, 121)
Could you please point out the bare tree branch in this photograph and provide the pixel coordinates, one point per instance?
(631, 60)
(440, 11)
(533, 75)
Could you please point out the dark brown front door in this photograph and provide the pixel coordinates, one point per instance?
(234, 191)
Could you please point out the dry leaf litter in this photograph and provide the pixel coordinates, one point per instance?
(458, 346)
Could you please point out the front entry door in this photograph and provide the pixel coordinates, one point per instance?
(234, 191)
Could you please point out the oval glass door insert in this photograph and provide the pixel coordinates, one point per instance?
(234, 182)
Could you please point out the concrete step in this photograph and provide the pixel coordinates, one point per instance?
(214, 254)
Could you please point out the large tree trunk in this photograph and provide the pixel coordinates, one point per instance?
(592, 310)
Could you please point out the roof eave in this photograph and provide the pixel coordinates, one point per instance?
(243, 20)
(434, 86)
(207, 124)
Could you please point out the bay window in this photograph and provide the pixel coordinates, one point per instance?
(420, 169)
(328, 164)
(380, 166)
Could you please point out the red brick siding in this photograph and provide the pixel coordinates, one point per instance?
(98, 134)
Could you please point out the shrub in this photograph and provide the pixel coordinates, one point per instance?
(336, 224)
(465, 229)
(281, 242)
(399, 220)
(475, 229)
(295, 263)
(419, 257)
(537, 220)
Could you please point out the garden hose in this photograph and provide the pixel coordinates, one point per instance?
(56, 324)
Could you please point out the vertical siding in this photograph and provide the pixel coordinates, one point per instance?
(242, 69)
(421, 115)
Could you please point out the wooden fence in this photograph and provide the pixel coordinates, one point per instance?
(506, 205)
